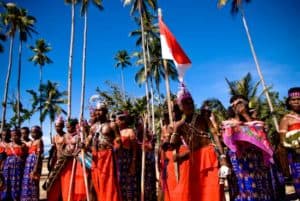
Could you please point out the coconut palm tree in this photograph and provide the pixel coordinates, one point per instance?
(25, 27)
(71, 49)
(49, 102)
(122, 60)
(84, 12)
(244, 87)
(40, 58)
(10, 20)
(237, 6)
(2, 38)
(141, 7)
(25, 114)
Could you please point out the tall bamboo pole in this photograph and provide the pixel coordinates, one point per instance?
(83, 78)
(259, 70)
(147, 98)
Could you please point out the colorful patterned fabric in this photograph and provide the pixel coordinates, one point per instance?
(294, 161)
(12, 172)
(30, 188)
(150, 178)
(251, 180)
(250, 132)
(128, 182)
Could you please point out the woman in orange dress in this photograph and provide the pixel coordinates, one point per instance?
(33, 167)
(13, 167)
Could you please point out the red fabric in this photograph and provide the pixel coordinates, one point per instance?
(32, 149)
(198, 181)
(78, 190)
(179, 56)
(173, 190)
(125, 141)
(54, 194)
(104, 176)
(204, 184)
(295, 126)
(14, 151)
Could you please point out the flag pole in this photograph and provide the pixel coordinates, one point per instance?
(176, 165)
(266, 91)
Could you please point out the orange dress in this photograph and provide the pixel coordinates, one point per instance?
(104, 175)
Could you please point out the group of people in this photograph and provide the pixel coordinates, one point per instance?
(20, 163)
(102, 159)
(197, 154)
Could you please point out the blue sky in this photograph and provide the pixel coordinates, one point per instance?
(214, 40)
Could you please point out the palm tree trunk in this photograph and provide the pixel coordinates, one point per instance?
(83, 67)
(152, 107)
(4, 103)
(40, 96)
(51, 123)
(259, 71)
(151, 90)
(19, 84)
(123, 83)
(147, 98)
(71, 61)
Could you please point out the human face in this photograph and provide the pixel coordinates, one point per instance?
(24, 133)
(70, 128)
(239, 105)
(100, 113)
(294, 103)
(34, 133)
(59, 127)
(5, 135)
(15, 136)
(187, 106)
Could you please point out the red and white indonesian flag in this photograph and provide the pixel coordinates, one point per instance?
(170, 49)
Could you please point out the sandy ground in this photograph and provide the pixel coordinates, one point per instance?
(43, 196)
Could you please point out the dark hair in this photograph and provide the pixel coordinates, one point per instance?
(235, 97)
(7, 130)
(291, 90)
(26, 129)
(38, 130)
(16, 130)
(73, 122)
(230, 112)
(178, 113)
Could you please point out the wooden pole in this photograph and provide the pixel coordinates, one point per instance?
(176, 165)
(147, 94)
(259, 71)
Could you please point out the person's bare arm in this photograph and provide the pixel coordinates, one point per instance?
(283, 128)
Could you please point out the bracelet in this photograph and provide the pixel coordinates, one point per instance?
(222, 156)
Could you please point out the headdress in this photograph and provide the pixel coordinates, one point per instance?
(183, 93)
(59, 120)
(294, 92)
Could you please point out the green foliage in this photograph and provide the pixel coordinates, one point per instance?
(40, 49)
(25, 114)
(50, 102)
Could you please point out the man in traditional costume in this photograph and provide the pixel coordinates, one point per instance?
(290, 135)
(102, 137)
(197, 157)
(68, 169)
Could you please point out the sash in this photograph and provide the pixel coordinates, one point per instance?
(251, 132)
